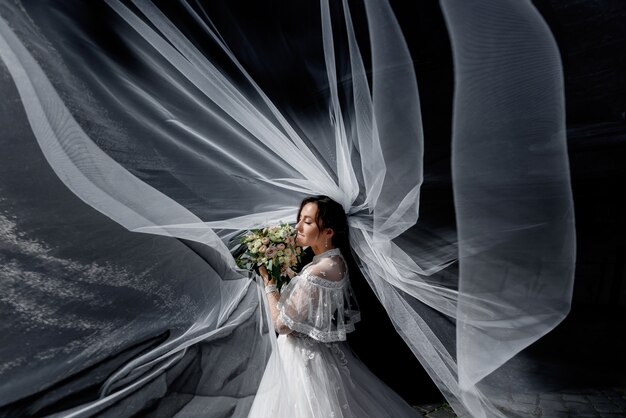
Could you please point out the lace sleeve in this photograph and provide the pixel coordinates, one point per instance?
(319, 302)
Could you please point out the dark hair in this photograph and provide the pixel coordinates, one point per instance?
(330, 214)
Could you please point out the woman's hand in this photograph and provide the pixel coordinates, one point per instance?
(266, 276)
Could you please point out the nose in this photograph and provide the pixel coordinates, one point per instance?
(299, 226)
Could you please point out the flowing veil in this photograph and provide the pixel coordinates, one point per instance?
(159, 118)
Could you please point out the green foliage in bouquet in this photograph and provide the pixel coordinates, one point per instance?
(274, 247)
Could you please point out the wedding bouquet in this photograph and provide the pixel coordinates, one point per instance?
(273, 247)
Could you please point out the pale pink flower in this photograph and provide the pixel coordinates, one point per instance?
(270, 252)
(280, 246)
(265, 240)
(262, 249)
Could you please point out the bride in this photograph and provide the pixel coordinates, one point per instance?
(313, 373)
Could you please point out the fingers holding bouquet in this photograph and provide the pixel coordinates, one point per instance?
(267, 280)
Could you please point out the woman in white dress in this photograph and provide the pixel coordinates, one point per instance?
(313, 373)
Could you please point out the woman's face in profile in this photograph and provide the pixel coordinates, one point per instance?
(307, 228)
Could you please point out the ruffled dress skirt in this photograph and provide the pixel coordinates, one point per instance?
(306, 378)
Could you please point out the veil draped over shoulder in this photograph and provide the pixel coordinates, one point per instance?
(173, 120)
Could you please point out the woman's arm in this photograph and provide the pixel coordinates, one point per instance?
(273, 297)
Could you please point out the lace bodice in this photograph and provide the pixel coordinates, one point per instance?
(319, 301)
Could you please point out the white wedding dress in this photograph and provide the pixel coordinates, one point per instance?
(313, 373)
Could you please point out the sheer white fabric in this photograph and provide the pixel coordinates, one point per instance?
(319, 301)
(181, 141)
(308, 379)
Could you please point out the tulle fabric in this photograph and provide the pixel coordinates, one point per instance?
(174, 137)
(309, 379)
(319, 301)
